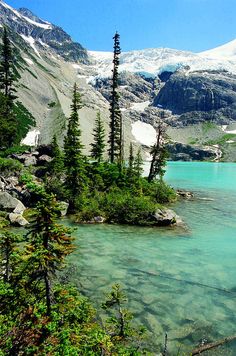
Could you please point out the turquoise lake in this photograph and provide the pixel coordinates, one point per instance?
(178, 280)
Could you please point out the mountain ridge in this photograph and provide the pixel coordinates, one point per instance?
(148, 80)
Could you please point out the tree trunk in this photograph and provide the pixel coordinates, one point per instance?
(48, 289)
(212, 345)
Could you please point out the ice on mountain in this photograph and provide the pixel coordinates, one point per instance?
(31, 41)
(144, 133)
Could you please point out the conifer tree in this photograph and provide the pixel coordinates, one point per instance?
(74, 160)
(116, 126)
(7, 77)
(131, 157)
(8, 253)
(98, 145)
(49, 244)
(138, 164)
(8, 120)
(159, 154)
(130, 170)
(57, 165)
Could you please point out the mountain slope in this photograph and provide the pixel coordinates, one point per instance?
(41, 33)
(185, 90)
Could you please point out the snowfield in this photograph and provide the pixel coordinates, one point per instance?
(144, 133)
(153, 61)
(32, 138)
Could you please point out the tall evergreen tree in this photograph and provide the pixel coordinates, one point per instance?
(98, 145)
(7, 77)
(49, 244)
(57, 165)
(138, 164)
(130, 170)
(8, 253)
(8, 120)
(116, 125)
(159, 154)
(74, 159)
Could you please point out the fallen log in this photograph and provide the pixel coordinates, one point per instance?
(212, 345)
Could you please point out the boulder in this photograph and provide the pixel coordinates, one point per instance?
(99, 219)
(30, 161)
(184, 194)
(26, 158)
(7, 202)
(17, 219)
(44, 159)
(165, 217)
(63, 206)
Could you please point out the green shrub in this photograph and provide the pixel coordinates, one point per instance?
(122, 207)
(8, 165)
(91, 208)
(14, 149)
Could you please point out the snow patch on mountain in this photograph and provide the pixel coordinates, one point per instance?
(226, 51)
(140, 106)
(154, 61)
(32, 138)
(31, 41)
(144, 133)
(28, 61)
(45, 25)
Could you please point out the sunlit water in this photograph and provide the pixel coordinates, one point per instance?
(178, 280)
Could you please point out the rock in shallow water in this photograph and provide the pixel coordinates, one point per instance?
(166, 217)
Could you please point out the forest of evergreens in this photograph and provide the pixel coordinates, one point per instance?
(39, 315)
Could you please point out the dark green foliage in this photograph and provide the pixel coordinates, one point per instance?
(9, 253)
(7, 77)
(8, 123)
(119, 324)
(49, 244)
(25, 120)
(74, 159)
(8, 166)
(56, 167)
(138, 164)
(55, 171)
(15, 120)
(98, 145)
(116, 127)
(124, 208)
(159, 155)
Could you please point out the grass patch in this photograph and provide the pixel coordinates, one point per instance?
(221, 140)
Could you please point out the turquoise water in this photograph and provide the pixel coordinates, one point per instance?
(178, 280)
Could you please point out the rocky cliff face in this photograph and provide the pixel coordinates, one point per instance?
(42, 33)
(201, 93)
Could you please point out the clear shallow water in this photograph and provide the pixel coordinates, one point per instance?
(182, 281)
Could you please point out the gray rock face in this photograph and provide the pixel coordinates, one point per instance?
(8, 203)
(132, 87)
(197, 91)
(181, 152)
(53, 36)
